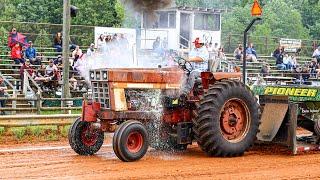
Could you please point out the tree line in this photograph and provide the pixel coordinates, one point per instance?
(281, 18)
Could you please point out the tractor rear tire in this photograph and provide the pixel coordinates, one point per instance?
(83, 140)
(227, 119)
(130, 141)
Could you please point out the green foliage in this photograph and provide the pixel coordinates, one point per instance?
(1, 130)
(19, 132)
(65, 130)
(98, 13)
(43, 39)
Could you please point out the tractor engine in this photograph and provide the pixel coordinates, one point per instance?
(122, 94)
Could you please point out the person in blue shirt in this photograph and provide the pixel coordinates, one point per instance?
(251, 53)
(31, 53)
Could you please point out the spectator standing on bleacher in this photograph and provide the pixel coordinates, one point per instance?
(12, 38)
(316, 54)
(31, 53)
(57, 42)
(238, 53)
(3, 94)
(100, 42)
(251, 53)
(90, 50)
(16, 54)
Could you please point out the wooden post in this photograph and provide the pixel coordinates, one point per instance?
(14, 103)
(38, 103)
(65, 50)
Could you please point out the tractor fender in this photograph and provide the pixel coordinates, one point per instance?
(90, 111)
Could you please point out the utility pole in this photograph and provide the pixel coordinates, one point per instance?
(65, 49)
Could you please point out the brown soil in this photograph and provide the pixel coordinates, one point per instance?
(263, 162)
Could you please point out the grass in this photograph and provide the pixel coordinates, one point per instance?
(40, 133)
(1, 130)
(59, 112)
(19, 132)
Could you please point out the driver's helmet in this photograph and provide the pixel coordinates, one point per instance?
(198, 43)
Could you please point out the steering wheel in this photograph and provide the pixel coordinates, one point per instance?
(184, 64)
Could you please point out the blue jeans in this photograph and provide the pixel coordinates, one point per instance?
(281, 66)
(58, 48)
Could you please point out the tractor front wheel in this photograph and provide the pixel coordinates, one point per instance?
(130, 141)
(227, 119)
(83, 139)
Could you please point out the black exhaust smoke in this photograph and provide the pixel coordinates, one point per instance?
(147, 6)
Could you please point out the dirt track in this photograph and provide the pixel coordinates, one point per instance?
(58, 161)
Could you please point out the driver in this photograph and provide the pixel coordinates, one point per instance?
(199, 59)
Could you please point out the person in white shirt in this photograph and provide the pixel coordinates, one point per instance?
(199, 57)
(316, 54)
(91, 51)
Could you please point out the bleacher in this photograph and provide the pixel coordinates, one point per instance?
(11, 73)
(276, 75)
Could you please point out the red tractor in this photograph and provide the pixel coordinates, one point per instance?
(143, 108)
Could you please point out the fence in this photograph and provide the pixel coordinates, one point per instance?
(265, 45)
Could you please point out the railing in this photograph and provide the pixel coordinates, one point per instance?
(182, 45)
(265, 44)
(14, 92)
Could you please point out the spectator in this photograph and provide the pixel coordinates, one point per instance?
(221, 54)
(293, 61)
(156, 44)
(58, 61)
(100, 42)
(76, 54)
(39, 58)
(3, 94)
(278, 53)
(58, 42)
(26, 67)
(215, 49)
(107, 46)
(265, 70)
(31, 53)
(301, 75)
(41, 78)
(123, 41)
(316, 54)
(51, 68)
(73, 82)
(90, 50)
(238, 52)
(165, 45)
(251, 53)
(210, 47)
(16, 54)
(287, 61)
(12, 38)
(313, 67)
(54, 75)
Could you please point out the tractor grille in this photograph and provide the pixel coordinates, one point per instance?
(100, 92)
(100, 88)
